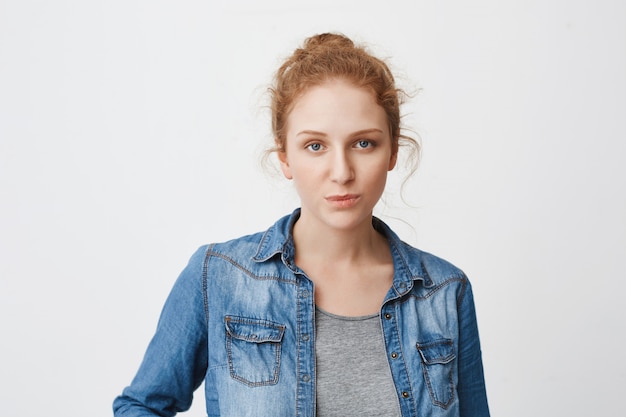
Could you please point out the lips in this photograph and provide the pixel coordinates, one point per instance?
(343, 201)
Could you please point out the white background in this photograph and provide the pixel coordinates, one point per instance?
(131, 133)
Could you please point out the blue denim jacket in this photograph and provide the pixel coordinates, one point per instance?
(241, 318)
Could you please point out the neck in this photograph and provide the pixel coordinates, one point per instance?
(321, 242)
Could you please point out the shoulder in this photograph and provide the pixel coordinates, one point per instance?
(437, 275)
(239, 250)
(242, 246)
(254, 253)
(260, 245)
(418, 264)
(430, 267)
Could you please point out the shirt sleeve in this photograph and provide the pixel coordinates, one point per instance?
(175, 361)
(471, 385)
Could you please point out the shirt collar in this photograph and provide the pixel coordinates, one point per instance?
(408, 267)
(278, 239)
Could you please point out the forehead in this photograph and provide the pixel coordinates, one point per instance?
(336, 102)
(335, 87)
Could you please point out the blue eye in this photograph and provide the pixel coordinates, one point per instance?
(315, 147)
(363, 144)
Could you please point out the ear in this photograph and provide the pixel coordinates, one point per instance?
(284, 165)
(392, 160)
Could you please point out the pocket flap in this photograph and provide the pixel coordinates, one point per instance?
(254, 330)
(439, 351)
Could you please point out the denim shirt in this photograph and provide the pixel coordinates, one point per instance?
(241, 319)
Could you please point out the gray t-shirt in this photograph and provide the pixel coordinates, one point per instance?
(353, 375)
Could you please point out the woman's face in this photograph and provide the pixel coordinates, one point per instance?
(337, 151)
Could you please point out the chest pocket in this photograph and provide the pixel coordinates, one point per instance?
(253, 348)
(437, 362)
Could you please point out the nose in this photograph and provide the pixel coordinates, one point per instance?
(342, 171)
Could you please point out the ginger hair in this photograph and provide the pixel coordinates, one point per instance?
(329, 56)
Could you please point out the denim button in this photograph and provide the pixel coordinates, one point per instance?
(394, 355)
(388, 316)
(402, 285)
(405, 394)
(306, 377)
(304, 294)
(306, 337)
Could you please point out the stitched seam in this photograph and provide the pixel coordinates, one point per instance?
(437, 288)
(205, 285)
(406, 369)
(462, 294)
(248, 272)
(431, 391)
(276, 347)
(298, 386)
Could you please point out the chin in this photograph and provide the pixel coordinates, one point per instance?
(347, 220)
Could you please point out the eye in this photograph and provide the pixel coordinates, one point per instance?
(364, 144)
(315, 147)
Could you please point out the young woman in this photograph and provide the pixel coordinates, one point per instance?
(328, 312)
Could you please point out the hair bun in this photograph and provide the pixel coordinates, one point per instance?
(328, 40)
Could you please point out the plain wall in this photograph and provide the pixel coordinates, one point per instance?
(131, 133)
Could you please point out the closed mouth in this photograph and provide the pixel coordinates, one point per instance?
(345, 197)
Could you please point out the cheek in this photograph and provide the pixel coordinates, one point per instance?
(379, 168)
(298, 174)
(377, 174)
(304, 179)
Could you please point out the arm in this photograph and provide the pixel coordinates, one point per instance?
(471, 387)
(176, 359)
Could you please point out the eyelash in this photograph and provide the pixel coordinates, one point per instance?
(360, 144)
(314, 144)
(369, 143)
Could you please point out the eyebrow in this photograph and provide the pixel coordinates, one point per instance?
(358, 133)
